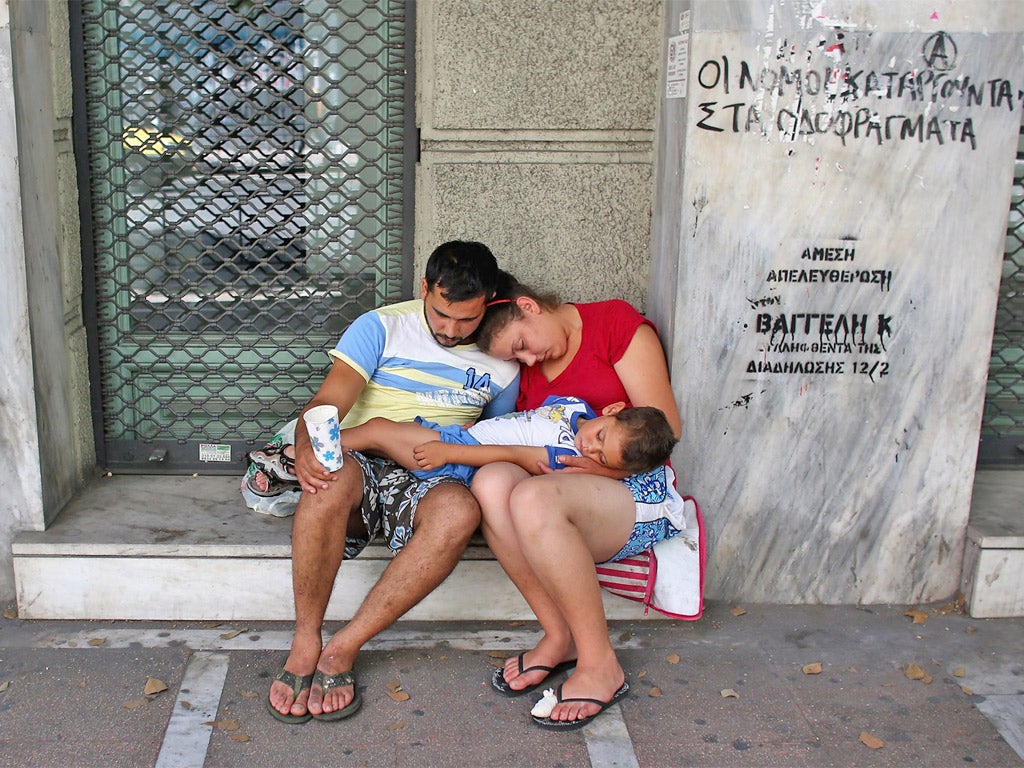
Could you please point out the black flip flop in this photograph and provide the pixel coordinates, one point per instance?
(500, 684)
(298, 685)
(571, 725)
(326, 683)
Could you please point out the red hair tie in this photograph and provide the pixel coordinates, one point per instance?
(495, 302)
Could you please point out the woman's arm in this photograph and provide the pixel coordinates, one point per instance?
(436, 454)
(644, 374)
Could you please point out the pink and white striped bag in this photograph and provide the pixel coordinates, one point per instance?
(668, 577)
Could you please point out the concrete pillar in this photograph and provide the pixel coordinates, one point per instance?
(834, 206)
(21, 503)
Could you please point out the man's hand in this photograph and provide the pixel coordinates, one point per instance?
(578, 464)
(311, 474)
(431, 455)
(340, 388)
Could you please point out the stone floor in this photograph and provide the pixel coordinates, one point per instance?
(740, 687)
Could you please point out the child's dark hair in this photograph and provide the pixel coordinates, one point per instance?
(462, 270)
(502, 309)
(650, 439)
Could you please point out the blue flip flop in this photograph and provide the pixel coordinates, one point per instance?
(571, 725)
(500, 684)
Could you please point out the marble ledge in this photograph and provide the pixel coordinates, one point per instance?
(997, 509)
(171, 516)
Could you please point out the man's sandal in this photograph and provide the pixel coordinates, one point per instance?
(298, 685)
(340, 680)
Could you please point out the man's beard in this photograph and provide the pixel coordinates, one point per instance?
(446, 341)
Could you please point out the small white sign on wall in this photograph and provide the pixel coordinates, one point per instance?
(214, 452)
(675, 71)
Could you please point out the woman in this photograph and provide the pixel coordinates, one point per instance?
(548, 531)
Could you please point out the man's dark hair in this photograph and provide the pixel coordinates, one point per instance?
(650, 440)
(462, 270)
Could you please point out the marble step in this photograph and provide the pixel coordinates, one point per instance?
(187, 548)
(993, 571)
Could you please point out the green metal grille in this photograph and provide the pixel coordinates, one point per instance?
(247, 172)
(1002, 432)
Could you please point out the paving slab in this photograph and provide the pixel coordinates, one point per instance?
(74, 694)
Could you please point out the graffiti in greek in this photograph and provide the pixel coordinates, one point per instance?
(851, 101)
(880, 277)
(827, 326)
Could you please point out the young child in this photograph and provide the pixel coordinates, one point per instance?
(629, 440)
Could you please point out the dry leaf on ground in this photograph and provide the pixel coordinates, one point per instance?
(94, 641)
(11, 613)
(959, 672)
(239, 737)
(396, 726)
(5, 685)
(919, 617)
(871, 741)
(250, 694)
(188, 706)
(498, 655)
(737, 611)
(154, 686)
(813, 668)
(233, 633)
(135, 704)
(654, 693)
(914, 672)
(729, 693)
(396, 692)
(957, 606)
(672, 658)
(625, 636)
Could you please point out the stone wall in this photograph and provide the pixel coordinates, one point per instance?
(837, 225)
(537, 127)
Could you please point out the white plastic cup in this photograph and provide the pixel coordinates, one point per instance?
(324, 430)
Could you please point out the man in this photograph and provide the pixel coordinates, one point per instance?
(410, 359)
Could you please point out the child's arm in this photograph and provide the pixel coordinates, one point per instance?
(435, 454)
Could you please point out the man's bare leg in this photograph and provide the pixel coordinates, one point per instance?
(318, 545)
(445, 521)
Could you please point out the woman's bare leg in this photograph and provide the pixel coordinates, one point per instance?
(564, 524)
(493, 486)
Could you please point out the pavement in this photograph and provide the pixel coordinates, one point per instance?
(751, 685)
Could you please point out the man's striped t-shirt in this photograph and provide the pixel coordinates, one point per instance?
(408, 374)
